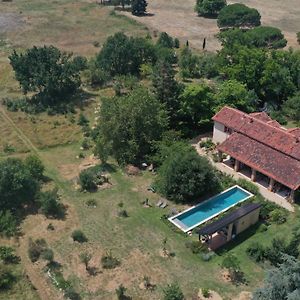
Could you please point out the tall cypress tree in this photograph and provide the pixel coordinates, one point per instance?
(138, 7)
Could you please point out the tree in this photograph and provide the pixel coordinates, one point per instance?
(47, 71)
(188, 64)
(238, 15)
(232, 264)
(50, 204)
(123, 55)
(282, 282)
(35, 167)
(165, 40)
(260, 37)
(6, 278)
(17, 186)
(291, 107)
(167, 89)
(138, 7)
(7, 255)
(235, 94)
(196, 106)
(130, 124)
(210, 8)
(173, 292)
(120, 291)
(185, 176)
(8, 224)
(85, 258)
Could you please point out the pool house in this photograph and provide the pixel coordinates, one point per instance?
(260, 148)
(222, 231)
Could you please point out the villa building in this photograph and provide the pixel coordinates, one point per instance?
(266, 151)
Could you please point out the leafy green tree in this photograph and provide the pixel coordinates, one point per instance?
(244, 64)
(50, 204)
(277, 81)
(196, 106)
(47, 71)
(173, 292)
(260, 37)
(130, 124)
(238, 15)
(291, 108)
(165, 40)
(138, 7)
(235, 94)
(210, 8)
(17, 186)
(35, 166)
(208, 64)
(188, 64)
(167, 89)
(6, 278)
(282, 282)
(185, 176)
(8, 224)
(123, 55)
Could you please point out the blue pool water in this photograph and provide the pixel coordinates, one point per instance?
(212, 207)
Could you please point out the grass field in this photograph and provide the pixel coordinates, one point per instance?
(137, 240)
(179, 19)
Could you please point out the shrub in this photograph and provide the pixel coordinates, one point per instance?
(91, 203)
(71, 294)
(36, 248)
(123, 213)
(108, 261)
(82, 120)
(8, 224)
(266, 209)
(79, 236)
(173, 292)
(256, 251)
(87, 180)
(7, 255)
(85, 144)
(298, 37)
(205, 292)
(120, 291)
(274, 252)
(207, 256)
(278, 216)
(48, 255)
(196, 247)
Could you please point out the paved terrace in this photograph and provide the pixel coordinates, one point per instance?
(273, 197)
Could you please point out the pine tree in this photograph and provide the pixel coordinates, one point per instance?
(138, 7)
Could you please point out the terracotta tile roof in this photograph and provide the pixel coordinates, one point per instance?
(262, 131)
(295, 131)
(263, 158)
(261, 116)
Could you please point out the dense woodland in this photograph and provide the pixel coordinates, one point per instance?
(165, 93)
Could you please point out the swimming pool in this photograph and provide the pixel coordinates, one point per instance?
(196, 215)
